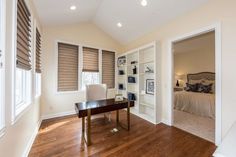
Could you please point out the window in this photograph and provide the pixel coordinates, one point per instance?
(76, 72)
(22, 90)
(90, 72)
(23, 73)
(38, 64)
(2, 69)
(37, 84)
(108, 68)
(89, 78)
(67, 67)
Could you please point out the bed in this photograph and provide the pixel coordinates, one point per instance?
(202, 104)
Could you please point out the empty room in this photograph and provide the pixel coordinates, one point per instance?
(105, 78)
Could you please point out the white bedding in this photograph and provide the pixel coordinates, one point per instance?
(201, 104)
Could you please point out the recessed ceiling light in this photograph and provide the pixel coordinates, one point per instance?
(119, 24)
(73, 7)
(144, 3)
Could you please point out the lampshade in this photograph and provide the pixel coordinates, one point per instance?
(179, 77)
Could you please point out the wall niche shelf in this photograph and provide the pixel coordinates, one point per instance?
(146, 60)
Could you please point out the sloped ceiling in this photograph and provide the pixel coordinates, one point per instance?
(136, 19)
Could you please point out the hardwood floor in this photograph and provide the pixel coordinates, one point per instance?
(61, 137)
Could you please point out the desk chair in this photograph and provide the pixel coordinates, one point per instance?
(97, 92)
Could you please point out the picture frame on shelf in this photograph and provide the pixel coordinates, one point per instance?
(119, 97)
(150, 86)
(121, 61)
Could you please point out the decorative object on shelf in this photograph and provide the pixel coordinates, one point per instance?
(131, 79)
(150, 86)
(119, 97)
(131, 97)
(121, 72)
(121, 86)
(135, 70)
(121, 61)
(133, 62)
(148, 69)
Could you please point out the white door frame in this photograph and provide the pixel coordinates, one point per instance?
(218, 94)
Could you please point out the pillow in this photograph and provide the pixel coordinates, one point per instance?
(204, 88)
(208, 82)
(191, 87)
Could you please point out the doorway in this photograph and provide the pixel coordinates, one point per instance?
(171, 94)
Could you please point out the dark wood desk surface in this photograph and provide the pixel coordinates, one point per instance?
(86, 109)
(100, 106)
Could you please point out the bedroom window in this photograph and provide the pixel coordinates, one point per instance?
(89, 78)
(2, 69)
(38, 64)
(75, 72)
(108, 68)
(90, 72)
(22, 90)
(23, 70)
(67, 67)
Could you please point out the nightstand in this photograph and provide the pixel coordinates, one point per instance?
(176, 89)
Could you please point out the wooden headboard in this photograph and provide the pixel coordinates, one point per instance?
(201, 75)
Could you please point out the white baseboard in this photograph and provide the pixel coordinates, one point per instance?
(55, 115)
(165, 121)
(31, 141)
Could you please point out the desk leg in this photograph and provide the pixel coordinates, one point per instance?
(128, 116)
(89, 127)
(117, 118)
(83, 125)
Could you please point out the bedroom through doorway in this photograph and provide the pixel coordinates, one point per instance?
(194, 85)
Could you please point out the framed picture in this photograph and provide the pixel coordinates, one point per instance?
(150, 86)
(121, 61)
(119, 97)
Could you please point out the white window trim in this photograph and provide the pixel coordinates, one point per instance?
(15, 117)
(2, 98)
(80, 66)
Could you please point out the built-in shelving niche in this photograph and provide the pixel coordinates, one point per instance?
(145, 62)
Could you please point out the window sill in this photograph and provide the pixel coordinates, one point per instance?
(21, 112)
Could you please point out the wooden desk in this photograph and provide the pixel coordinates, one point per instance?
(86, 109)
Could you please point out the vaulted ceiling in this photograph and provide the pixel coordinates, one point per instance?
(135, 18)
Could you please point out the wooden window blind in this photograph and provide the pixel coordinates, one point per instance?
(90, 60)
(23, 57)
(108, 68)
(67, 67)
(38, 52)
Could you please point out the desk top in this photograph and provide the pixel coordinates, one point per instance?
(101, 106)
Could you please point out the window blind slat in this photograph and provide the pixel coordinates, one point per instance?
(108, 68)
(67, 67)
(90, 60)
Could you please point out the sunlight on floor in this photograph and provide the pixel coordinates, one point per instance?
(52, 127)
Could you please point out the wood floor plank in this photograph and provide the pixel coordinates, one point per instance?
(61, 137)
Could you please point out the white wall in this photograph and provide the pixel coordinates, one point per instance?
(202, 60)
(214, 11)
(17, 136)
(82, 34)
(194, 61)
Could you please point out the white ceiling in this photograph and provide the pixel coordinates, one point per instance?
(136, 19)
(206, 40)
